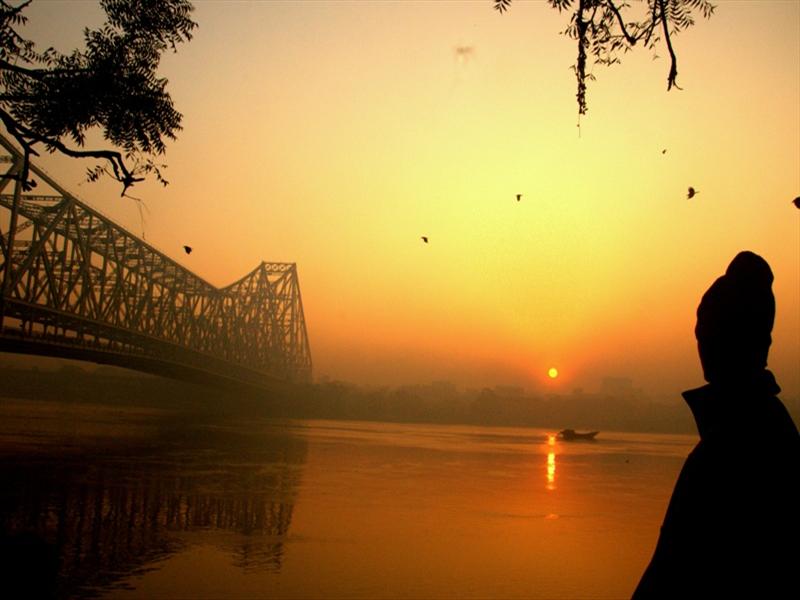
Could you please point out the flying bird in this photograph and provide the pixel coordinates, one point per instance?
(464, 53)
(796, 202)
(519, 197)
(187, 249)
(692, 192)
(424, 238)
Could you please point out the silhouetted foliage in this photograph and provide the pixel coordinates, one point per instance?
(606, 29)
(47, 97)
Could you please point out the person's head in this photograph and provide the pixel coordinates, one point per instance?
(734, 321)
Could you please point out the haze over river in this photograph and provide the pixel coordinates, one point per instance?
(122, 503)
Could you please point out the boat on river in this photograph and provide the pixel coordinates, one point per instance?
(570, 435)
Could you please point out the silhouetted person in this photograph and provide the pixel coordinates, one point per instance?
(731, 528)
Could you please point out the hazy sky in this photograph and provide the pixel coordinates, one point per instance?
(335, 134)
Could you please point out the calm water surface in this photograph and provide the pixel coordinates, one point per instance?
(126, 503)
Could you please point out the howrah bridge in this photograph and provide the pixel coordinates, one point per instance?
(75, 284)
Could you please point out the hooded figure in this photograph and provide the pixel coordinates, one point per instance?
(732, 527)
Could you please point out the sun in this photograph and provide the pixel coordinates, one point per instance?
(552, 373)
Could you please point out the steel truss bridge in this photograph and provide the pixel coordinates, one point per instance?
(75, 284)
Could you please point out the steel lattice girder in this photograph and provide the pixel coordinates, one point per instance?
(70, 275)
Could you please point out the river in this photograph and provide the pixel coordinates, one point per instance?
(117, 502)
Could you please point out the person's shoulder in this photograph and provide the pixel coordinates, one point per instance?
(778, 430)
(698, 460)
(780, 417)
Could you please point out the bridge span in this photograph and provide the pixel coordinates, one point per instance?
(75, 284)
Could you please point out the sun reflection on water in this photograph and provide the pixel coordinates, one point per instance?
(551, 463)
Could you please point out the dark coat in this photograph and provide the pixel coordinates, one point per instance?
(732, 528)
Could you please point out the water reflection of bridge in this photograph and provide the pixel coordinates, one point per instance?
(113, 514)
(75, 284)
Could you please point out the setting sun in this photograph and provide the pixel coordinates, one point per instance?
(552, 373)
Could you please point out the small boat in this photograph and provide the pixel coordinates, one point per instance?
(570, 435)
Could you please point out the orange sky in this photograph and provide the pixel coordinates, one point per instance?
(335, 134)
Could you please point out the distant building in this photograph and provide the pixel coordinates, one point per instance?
(619, 387)
(444, 389)
(509, 391)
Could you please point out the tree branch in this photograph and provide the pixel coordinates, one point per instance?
(37, 73)
(15, 10)
(673, 69)
(631, 40)
(15, 98)
(580, 70)
(27, 137)
(652, 24)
